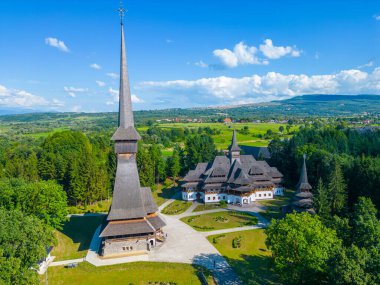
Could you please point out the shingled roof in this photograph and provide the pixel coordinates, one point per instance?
(234, 145)
(240, 175)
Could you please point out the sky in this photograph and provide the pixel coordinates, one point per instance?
(64, 55)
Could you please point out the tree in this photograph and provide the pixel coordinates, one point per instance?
(199, 148)
(23, 242)
(301, 246)
(159, 163)
(281, 129)
(288, 127)
(321, 200)
(145, 166)
(44, 199)
(365, 224)
(352, 265)
(174, 166)
(337, 189)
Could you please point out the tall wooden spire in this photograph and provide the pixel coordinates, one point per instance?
(303, 183)
(126, 131)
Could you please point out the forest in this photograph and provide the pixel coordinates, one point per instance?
(42, 175)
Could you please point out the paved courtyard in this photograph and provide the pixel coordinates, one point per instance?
(183, 245)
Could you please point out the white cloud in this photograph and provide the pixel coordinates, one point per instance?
(74, 89)
(201, 63)
(21, 98)
(377, 17)
(95, 66)
(115, 95)
(100, 83)
(136, 99)
(271, 86)
(54, 42)
(169, 41)
(241, 54)
(368, 64)
(71, 91)
(275, 52)
(113, 75)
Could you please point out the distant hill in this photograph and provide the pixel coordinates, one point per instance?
(300, 106)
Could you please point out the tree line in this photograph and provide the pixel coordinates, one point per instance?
(341, 243)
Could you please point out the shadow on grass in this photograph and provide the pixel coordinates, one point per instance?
(170, 193)
(255, 269)
(251, 269)
(80, 229)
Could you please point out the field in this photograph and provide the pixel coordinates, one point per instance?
(176, 207)
(222, 140)
(273, 206)
(251, 260)
(75, 237)
(130, 273)
(219, 221)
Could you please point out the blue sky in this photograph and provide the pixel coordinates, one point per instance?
(64, 55)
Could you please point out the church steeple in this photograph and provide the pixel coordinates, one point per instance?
(303, 183)
(126, 133)
(234, 148)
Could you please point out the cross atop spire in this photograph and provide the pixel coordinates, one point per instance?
(121, 11)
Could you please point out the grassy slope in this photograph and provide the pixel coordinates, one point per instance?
(209, 222)
(130, 273)
(75, 237)
(273, 210)
(251, 261)
(205, 207)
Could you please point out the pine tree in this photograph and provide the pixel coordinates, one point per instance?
(337, 189)
(321, 200)
(175, 166)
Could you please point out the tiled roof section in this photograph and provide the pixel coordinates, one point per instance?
(157, 222)
(120, 228)
(149, 204)
(127, 202)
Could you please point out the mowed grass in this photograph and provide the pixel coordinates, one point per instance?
(176, 207)
(220, 220)
(251, 261)
(75, 237)
(273, 206)
(222, 140)
(129, 273)
(205, 207)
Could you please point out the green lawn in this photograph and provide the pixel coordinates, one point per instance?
(220, 220)
(176, 207)
(273, 210)
(205, 207)
(75, 237)
(130, 273)
(251, 260)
